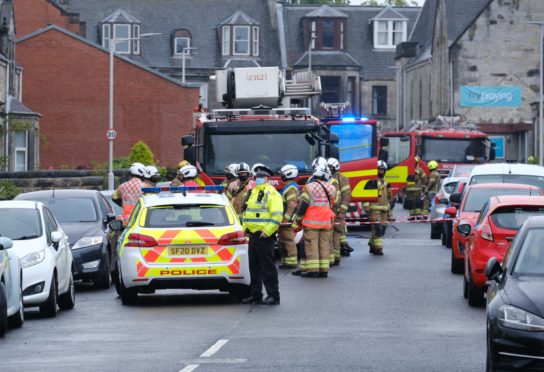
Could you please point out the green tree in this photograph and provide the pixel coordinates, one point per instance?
(8, 190)
(141, 153)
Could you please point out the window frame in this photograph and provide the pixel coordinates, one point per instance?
(106, 26)
(226, 40)
(389, 30)
(18, 149)
(255, 41)
(119, 41)
(375, 105)
(188, 51)
(234, 41)
(135, 39)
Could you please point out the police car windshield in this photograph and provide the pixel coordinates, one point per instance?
(453, 150)
(20, 223)
(194, 215)
(273, 149)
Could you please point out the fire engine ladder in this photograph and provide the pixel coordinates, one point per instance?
(303, 84)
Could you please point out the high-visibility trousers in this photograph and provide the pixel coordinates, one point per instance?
(317, 244)
(288, 248)
(377, 229)
(338, 236)
(414, 198)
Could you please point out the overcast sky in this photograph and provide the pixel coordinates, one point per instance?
(358, 2)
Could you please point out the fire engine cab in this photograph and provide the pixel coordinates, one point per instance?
(261, 123)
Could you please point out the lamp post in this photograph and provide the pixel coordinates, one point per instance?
(111, 50)
(540, 98)
(310, 47)
(185, 51)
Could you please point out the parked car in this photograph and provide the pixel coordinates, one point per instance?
(462, 170)
(117, 210)
(528, 174)
(473, 199)
(44, 253)
(11, 288)
(496, 227)
(515, 303)
(447, 223)
(84, 216)
(440, 203)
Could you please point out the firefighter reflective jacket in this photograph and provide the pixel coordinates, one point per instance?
(434, 182)
(237, 193)
(263, 210)
(129, 192)
(320, 197)
(341, 183)
(289, 195)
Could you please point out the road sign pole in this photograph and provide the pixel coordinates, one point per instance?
(110, 165)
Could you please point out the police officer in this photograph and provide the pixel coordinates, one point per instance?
(414, 191)
(239, 189)
(315, 214)
(286, 235)
(379, 212)
(261, 217)
(341, 182)
(432, 187)
(128, 193)
(151, 176)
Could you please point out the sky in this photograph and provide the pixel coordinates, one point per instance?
(358, 2)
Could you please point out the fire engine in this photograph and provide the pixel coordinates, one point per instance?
(259, 124)
(360, 147)
(448, 140)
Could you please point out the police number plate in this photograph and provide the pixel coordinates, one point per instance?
(187, 251)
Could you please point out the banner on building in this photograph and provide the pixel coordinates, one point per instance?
(474, 96)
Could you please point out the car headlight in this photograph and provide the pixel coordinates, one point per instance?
(513, 317)
(32, 259)
(88, 241)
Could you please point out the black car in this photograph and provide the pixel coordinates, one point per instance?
(84, 216)
(515, 303)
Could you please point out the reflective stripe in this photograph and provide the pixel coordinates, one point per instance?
(324, 264)
(253, 210)
(313, 222)
(277, 213)
(320, 204)
(287, 217)
(261, 220)
(362, 173)
(289, 197)
(345, 188)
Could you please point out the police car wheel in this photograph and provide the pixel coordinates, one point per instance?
(115, 280)
(3, 310)
(239, 291)
(129, 296)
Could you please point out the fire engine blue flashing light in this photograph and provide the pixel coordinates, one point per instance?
(363, 118)
(155, 190)
(348, 120)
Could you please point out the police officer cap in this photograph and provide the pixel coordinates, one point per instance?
(263, 171)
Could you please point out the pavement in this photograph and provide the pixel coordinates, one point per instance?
(403, 311)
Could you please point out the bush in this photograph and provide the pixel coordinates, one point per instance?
(8, 190)
(141, 153)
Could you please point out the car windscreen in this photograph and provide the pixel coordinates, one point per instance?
(273, 149)
(512, 218)
(462, 170)
(508, 178)
(20, 223)
(448, 150)
(355, 141)
(72, 209)
(194, 215)
(477, 197)
(450, 187)
(530, 260)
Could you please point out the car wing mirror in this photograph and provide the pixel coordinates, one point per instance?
(493, 269)
(455, 198)
(5, 243)
(451, 211)
(464, 229)
(110, 217)
(116, 225)
(56, 237)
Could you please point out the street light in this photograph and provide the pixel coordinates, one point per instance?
(184, 52)
(112, 47)
(540, 101)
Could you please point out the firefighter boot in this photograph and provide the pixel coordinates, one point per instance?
(345, 249)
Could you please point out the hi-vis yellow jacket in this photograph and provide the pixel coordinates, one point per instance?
(263, 210)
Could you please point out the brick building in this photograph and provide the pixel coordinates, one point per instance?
(67, 81)
(32, 15)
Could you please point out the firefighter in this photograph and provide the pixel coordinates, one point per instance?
(151, 176)
(230, 173)
(414, 191)
(341, 182)
(261, 217)
(379, 212)
(188, 175)
(286, 235)
(128, 193)
(431, 188)
(238, 190)
(314, 212)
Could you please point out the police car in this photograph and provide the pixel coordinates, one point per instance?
(182, 237)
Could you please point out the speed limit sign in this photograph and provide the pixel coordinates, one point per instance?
(111, 134)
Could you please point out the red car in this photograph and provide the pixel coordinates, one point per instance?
(471, 202)
(496, 227)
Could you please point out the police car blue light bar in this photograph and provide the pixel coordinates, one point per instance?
(155, 190)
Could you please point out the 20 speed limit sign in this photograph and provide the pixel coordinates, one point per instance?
(111, 134)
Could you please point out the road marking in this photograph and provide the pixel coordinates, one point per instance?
(214, 348)
(189, 368)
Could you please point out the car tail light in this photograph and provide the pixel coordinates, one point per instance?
(139, 240)
(233, 238)
(486, 232)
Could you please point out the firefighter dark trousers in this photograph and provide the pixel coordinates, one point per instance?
(415, 202)
(262, 266)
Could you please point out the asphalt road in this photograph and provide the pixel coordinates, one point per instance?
(403, 311)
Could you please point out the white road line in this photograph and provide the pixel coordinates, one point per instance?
(189, 368)
(214, 349)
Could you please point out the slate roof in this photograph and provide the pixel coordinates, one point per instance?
(375, 64)
(326, 11)
(199, 17)
(326, 58)
(389, 13)
(17, 107)
(239, 18)
(120, 16)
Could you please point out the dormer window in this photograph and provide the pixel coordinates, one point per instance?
(181, 43)
(325, 29)
(124, 29)
(390, 29)
(239, 36)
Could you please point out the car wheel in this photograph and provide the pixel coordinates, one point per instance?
(129, 296)
(456, 265)
(105, 280)
(490, 364)
(239, 291)
(475, 295)
(436, 230)
(49, 308)
(67, 300)
(115, 280)
(449, 235)
(3, 310)
(18, 319)
(443, 235)
(405, 203)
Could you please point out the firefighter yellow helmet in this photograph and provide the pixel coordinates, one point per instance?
(183, 163)
(433, 165)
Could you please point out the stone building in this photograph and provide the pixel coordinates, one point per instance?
(478, 59)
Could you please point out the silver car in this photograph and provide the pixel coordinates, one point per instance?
(440, 203)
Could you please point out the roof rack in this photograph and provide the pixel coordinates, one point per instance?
(444, 122)
(261, 110)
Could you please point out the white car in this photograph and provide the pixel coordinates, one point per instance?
(45, 255)
(11, 291)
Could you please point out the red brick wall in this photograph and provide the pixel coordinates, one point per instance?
(31, 15)
(67, 81)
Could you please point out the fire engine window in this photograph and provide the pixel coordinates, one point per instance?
(398, 149)
(355, 141)
(453, 150)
